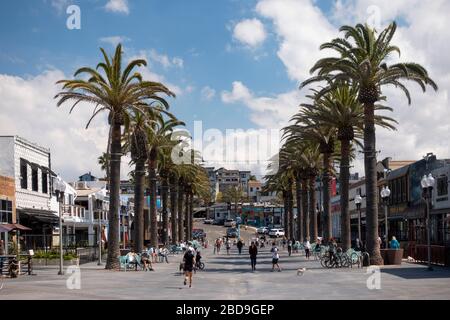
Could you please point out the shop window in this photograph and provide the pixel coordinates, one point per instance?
(23, 174)
(442, 186)
(34, 179)
(5, 211)
(44, 182)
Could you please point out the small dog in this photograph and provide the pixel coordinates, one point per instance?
(181, 267)
(301, 271)
(411, 259)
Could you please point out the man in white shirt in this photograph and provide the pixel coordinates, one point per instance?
(275, 257)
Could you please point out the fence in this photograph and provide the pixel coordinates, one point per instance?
(439, 254)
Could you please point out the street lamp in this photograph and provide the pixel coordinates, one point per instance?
(385, 193)
(60, 188)
(358, 201)
(427, 184)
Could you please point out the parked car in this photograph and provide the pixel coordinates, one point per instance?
(273, 233)
(198, 233)
(229, 223)
(262, 230)
(232, 232)
(208, 221)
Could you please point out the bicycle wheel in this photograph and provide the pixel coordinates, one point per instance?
(201, 266)
(354, 258)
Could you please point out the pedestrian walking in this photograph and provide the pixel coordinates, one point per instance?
(239, 245)
(284, 242)
(188, 265)
(253, 251)
(307, 249)
(228, 244)
(289, 247)
(275, 257)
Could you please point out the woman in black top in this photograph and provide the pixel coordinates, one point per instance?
(253, 251)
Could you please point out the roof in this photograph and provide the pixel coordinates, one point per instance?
(253, 183)
(398, 173)
(86, 192)
(393, 165)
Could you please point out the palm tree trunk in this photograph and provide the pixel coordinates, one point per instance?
(181, 235)
(312, 207)
(298, 193)
(305, 212)
(112, 261)
(343, 190)
(187, 216)
(291, 210)
(165, 213)
(153, 195)
(174, 209)
(191, 213)
(327, 230)
(370, 163)
(139, 177)
(286, 212)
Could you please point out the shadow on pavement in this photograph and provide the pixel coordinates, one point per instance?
(418, 273)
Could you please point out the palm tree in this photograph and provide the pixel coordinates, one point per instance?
(103, 161)
(159, 140)
(234, 194)
(341, 109)
(324, 135)
(362, 62)
(118, 93)
(136, 139)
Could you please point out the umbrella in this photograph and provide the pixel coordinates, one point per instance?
(13, 226)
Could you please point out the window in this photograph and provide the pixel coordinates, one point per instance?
(251, 189)
(44, 182)
(34, 179)
(5, 211)
(442, 186)
(23, 174)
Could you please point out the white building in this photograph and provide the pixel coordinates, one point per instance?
(30, 165)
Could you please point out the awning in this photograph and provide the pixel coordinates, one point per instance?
(43, 216)
(13, 226)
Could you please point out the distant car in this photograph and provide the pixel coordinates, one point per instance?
(229, 223)
(208, 221)
(232, 232)
(273, 233)
(198, 233)
(262, 230)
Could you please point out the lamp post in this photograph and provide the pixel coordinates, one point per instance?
(427, 184)
(358, 201)
(60, 188)
(385, 193)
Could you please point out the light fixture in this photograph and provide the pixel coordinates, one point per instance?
(358, 199)
(424, 182)
(430, 181)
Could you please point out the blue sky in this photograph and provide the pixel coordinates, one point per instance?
(234, 64)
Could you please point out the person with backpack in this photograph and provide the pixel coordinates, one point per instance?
(188, 265)
(275, 257)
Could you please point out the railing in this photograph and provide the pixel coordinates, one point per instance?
(74, 211)
(439, 254)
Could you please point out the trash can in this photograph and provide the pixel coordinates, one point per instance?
(392, 256)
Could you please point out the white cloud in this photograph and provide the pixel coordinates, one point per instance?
(29, 110)
(208, 93)
(60, 5)
(267, 112)
(118, 6)
(149, 74)
(165, 60)
(250, 32)
(114, 40)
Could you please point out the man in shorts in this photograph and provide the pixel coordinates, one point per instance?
(188, 265)
(275, 257)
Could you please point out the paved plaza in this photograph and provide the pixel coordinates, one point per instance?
(230, 277)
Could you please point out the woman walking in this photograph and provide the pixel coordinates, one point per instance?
(253, 251)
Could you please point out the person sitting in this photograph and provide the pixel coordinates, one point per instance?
(395, 244)
(131, 258)
(146, 261)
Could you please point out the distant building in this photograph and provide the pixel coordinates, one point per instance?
(254, 190)
(87, 177)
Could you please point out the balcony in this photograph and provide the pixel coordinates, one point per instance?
(74, 213)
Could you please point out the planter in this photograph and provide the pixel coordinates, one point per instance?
(55, 262)
(392, 256)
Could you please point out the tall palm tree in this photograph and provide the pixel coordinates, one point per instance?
(324, 135)
(341, 109)
(136, 139)
(103, 161)
(117, 92)
(362, 62)
(159, 140)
